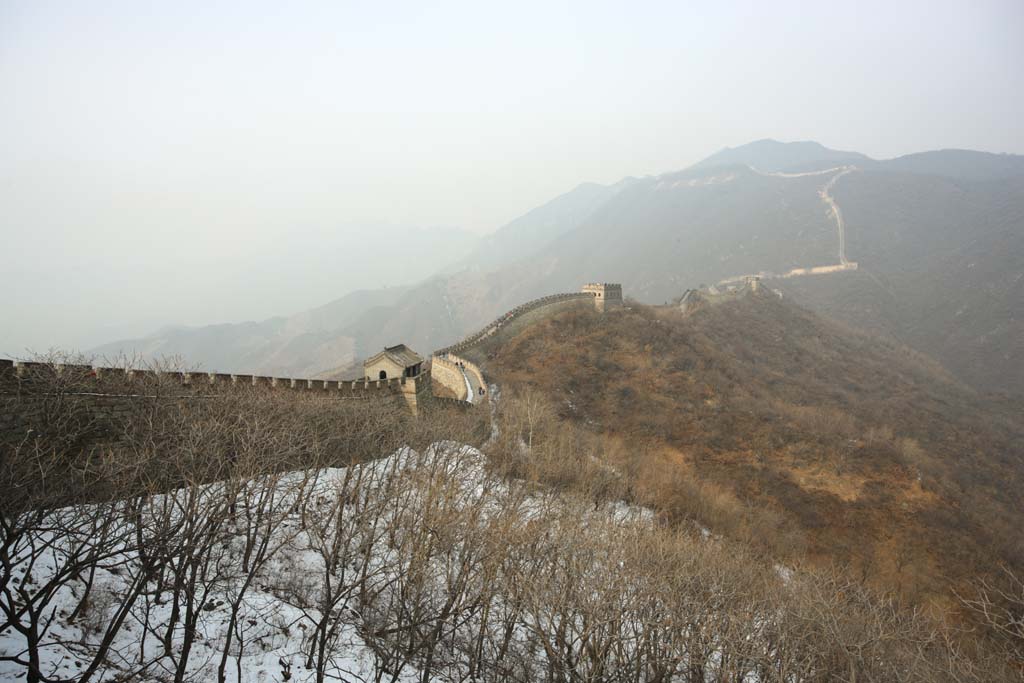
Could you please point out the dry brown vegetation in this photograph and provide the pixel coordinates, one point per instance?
(765, 423)
(536, 575)
(72, 436)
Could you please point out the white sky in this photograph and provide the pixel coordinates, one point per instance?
(145, 145)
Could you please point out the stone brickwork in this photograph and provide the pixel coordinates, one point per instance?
(447, 371)
(110, 390)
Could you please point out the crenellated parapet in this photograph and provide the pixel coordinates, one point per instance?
(22, 376)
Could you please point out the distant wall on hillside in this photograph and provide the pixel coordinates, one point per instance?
(447, 366)
(497, 324)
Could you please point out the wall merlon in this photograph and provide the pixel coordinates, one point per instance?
(24, 369)
(170, 375)
(141, 375)
(73, 370)
(20, 375)
(111, 373)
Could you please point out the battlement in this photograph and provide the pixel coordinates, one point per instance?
(19, 376)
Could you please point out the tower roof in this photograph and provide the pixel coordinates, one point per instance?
(399, 354)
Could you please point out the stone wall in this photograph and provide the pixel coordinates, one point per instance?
(445, 363)
(480, 335)
(446, 373)
(109, 388)
(108, 392)
(12, 371)
(474, 371)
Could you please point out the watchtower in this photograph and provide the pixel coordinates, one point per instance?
(606, 295)
(393, 361)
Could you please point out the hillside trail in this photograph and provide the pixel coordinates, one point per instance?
(825, 193)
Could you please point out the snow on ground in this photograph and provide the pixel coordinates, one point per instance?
(379, 505)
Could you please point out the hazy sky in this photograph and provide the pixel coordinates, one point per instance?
(197, 162)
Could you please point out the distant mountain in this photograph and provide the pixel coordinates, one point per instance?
(772, 155)
(300, 345)
(331, 339)
(937, 235)
(533, 230)
(958, 163)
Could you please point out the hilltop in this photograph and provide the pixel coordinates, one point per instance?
(772, 155)
(767, 422)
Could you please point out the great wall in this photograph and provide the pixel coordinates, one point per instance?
(108, 387)
(825, 193)
(498, 323)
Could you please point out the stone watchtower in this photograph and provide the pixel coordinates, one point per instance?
(607, 296)
(393, 361)
(399, 369)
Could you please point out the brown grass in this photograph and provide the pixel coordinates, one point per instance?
(761, 421)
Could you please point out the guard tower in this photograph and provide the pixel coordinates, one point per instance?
(607, 296)
(393, 361)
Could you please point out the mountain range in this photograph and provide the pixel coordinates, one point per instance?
(938, 239)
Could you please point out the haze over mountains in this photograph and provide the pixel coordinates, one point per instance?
(938, 236)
